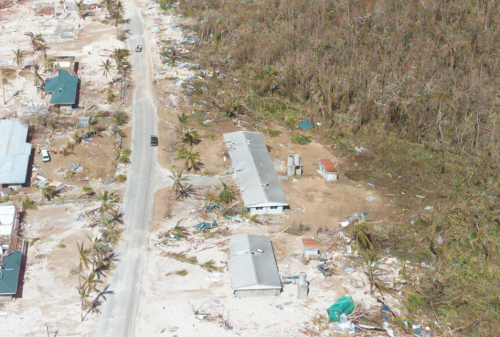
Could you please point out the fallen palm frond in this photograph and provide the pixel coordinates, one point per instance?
(182, 257)
(209, 266)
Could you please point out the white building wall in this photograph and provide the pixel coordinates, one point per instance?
(330, 176)
(265, 210)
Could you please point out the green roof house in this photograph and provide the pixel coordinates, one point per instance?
(63, 88)
(9, 274)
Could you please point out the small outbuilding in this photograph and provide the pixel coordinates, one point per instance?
(327, 170)
(310, 248)
(252, 266)
(10, 266)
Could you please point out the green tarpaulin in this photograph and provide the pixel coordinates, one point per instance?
(205, 225)
(305, 125)
(343, 306)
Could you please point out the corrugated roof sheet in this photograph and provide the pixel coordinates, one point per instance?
(14, 151)
(328, 165)
(62, 87)
(310, 243)
(250, 269)
(254, 170)
(9, 273)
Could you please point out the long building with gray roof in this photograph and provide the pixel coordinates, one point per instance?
(252, 266)
(14, 152)
(260, 186)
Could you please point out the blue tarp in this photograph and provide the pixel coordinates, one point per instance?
(305, 125)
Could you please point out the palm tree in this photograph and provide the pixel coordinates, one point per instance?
(82, 9)
(106, 68)
(180, 182)
(91, 281)
(119, 7)
(19, 56)
(106, 203)
(191, 137)
(362, 236)
(192, 161)
(48, 192)
(183, 119)
(119, 118)
(35, 40)
(371, 259)
(36, 74)
(111, 234)
(99, 249)
(83, 258)
(43, 47)
(117, 18)
(109, 4)
(6, 74)
(227, 194)
(27, 203)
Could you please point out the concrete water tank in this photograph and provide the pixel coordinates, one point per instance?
(296, 159)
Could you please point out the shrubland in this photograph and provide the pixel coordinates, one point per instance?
(417, 84)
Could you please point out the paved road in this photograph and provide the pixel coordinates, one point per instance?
(118, 315)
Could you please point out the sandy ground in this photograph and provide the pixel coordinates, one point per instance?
(50, 304)
(168, 299)
(49, 297)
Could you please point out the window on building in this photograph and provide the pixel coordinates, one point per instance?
(259, 208)
(274, 207)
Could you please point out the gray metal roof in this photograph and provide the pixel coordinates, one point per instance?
(250, 269)
(254, 170)
(14, 151)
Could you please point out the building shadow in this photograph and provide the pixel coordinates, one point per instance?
(22, 271)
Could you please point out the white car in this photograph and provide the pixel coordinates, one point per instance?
(45, 155)
(138, 48)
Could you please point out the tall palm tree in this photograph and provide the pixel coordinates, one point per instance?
(6, 75)
(36, 39)
(109, 4)
(119, 7)
(179, 183)
(48, 192)
(183, 119)
(106, 68)
(42, 47)
(36, 74)
(117, 18)
(191, 137)
(120, 56)
(19, 56)
(106, 203)
(83, 258)
(192, 160)
(99, 249)
(81, 8)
